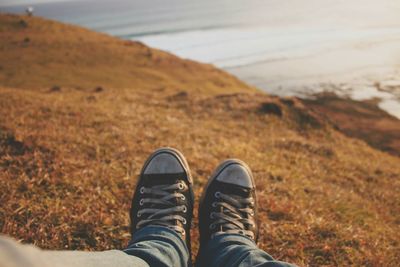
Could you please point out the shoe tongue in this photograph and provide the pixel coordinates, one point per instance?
(163, 179)
(235, 190)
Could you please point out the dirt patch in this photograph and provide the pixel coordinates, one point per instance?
(271, 108)
(9, 145)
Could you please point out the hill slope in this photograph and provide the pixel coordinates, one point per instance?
(69, 157)
(37, 53)
(361, 119)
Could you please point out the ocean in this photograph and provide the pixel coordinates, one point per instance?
(292, 47)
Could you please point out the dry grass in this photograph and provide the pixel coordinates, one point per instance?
(37, 53)
(361, 119)
(69, 157)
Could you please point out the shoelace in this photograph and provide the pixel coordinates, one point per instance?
(231, 216)
(163, 195)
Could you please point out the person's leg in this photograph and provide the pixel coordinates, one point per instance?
(159, 246)
(14, 254)
(161, 211)
(236, 250)
(228, 220)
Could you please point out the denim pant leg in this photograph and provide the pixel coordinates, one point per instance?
(159, 246)
(236, 251)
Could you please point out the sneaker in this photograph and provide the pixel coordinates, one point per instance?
(228, 203)
(164, 194)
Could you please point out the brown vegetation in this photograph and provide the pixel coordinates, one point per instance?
(360, 119)
(69, 156)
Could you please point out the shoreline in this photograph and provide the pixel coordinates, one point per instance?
(384, 91)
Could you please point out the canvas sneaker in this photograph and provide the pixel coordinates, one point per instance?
(228, 203)
(164, 194)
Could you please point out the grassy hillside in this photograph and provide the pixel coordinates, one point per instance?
(69, 156)
(361, 119)
(37, 53)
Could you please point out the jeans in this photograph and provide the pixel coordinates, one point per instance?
(150, 246)
(159, 246)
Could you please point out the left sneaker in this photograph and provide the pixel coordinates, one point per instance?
(164, 194)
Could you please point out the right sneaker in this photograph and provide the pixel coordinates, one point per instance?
(229, 204)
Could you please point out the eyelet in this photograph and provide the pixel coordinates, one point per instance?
(252, 213)
(183, 232)
(212, 226)
(181, 186)
(212, 215)
(184, 221)
(184, 210)
(139, 214)
(217, 194)
(214, 204)
(141, 202)
(183, 197)
(142, 190)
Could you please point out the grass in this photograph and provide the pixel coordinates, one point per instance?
(37, 53)
(361, 119)
(69, 157)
